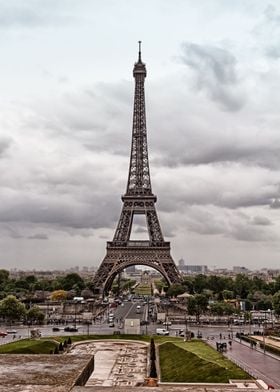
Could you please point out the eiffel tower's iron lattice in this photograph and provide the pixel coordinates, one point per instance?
(138, 199)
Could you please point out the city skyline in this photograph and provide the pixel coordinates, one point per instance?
(212, 122)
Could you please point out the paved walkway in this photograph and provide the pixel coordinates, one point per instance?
(254, 362)
(117, 363)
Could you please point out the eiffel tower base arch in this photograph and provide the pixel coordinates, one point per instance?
(119, 258)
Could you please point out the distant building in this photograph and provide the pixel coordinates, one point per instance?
(240, 270)
(181, 263)
(193, 269)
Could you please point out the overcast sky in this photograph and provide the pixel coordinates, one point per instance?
(212, 100)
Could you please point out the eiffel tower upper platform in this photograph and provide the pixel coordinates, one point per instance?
(138, 200)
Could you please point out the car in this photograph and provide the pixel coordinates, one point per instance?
(144, 322)
(56, 329)
(162, 331)
(167, 323)
(111, 325)
(71, 329)
(12, 331)
(3, 334)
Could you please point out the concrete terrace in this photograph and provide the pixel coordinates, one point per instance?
(92, 366)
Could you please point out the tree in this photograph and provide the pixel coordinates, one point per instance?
(73, 281)
(242, 286)
(58, 295)
(35, 315)
(228, 294)
(4, 276)
(197, 305)
(11, 309)
(222, 309)
(175, 289)
(276, 303)
(200, 283)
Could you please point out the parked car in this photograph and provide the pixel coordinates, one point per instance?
(71, 329)
(162, 331)
(12, 331)
(111, 325)
(3, 334)
(56, 329)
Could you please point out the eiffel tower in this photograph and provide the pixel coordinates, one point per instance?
(138, 199)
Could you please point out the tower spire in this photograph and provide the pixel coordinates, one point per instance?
(139, 52)
(139, 174)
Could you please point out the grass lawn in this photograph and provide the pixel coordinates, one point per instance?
(43, 346)
(143, 289)
(142, 338)
(196, 362)
(28, 346)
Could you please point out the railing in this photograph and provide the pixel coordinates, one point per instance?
(138, 244)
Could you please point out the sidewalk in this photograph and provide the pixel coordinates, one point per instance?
(260, 350)
(254, 362)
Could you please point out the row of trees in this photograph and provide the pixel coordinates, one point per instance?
(11, 309)
(73, 284)
(224, 287)
(31, 283)
(255, 292)
(199, 304)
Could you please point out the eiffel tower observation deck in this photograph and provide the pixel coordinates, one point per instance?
(138, 199)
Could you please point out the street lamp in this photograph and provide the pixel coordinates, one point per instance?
(264, 325)
(75, 314)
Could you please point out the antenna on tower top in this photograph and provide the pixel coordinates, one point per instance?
(139, 53)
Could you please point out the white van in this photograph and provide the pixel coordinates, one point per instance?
(162, 331)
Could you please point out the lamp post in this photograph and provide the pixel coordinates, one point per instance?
(264, 325)
(75, 314)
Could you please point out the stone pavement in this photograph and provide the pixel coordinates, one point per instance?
(40, 373)
(117, 363)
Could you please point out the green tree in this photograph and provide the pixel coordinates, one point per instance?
(276, 303)
(73, 281)
(35, 315)
(228, 294)
(200, 283)
(197, 305)
(242, 286)
(11, 309)
(175, 289)
(222, 309)
(4, 276)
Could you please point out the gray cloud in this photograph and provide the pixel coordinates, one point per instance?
(275, 204)
(31, 13)
(39, 236)
(261, 221)
(5, 143)
(215, 70)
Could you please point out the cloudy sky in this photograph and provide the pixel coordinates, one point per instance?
(212, 98)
